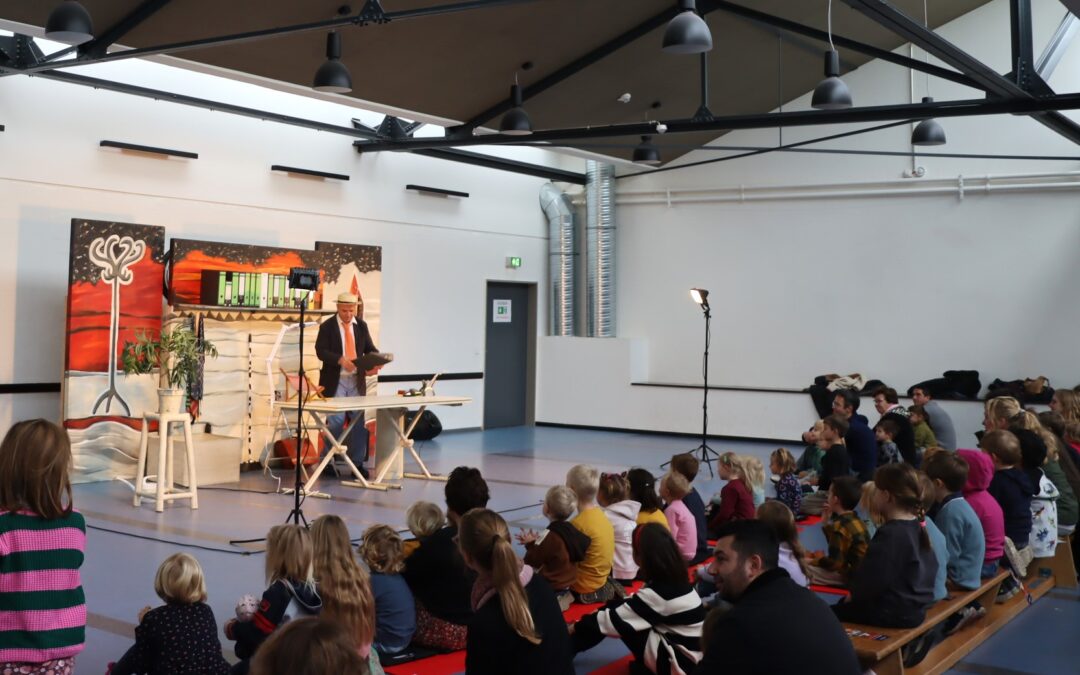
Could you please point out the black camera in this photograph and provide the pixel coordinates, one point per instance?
(304, 278)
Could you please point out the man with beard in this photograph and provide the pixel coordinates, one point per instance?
(775, 626)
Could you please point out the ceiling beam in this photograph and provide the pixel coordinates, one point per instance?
(939, 109)
(755, 16)
(100, 45)
(363, 18)
(884, 13)
(511, 165)
(570, 69)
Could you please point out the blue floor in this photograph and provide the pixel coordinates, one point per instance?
(125, 544)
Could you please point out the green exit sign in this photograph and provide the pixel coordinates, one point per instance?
(513, 262)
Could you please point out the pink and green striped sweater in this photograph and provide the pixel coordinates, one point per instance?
(42, 605)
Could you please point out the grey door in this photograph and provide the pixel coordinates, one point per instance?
(506, 360)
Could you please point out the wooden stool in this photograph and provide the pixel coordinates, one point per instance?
(165, 488)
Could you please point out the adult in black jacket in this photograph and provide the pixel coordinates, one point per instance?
(332, 348)
(517, 626)
(775, 627)
(861, 445)
(436, 573)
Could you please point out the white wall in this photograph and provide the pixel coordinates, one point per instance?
(898, 288)
(438, 253)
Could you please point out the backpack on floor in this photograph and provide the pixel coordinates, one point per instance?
(427, 428)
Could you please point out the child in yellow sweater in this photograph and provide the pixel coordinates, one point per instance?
(593, 581)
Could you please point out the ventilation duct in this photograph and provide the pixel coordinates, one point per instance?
(561, 253)
(600, 249)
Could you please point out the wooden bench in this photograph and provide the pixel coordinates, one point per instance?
(1062, 566)
(884, 656)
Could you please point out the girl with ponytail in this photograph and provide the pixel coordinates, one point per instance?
(516, 617)
(895, 582)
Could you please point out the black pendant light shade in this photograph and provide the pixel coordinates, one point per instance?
(516, 121)
(687, 33)
(831, 93)
(333, 75)
(646, 153)
(928, 132)
(70, 24)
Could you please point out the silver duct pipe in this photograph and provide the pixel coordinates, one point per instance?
(561, 253)
(600, 249)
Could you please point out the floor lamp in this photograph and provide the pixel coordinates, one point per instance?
(307, 280)
(701, 297)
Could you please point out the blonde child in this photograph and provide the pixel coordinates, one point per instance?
(788, 490)
(754, 473)
(593, 583)
(181, 635)
(423, 520)
(556, 552)
(643, 491)
(735, 500)
(36, 507)
(395, 610)
(780, 518)
(344, 586)
(622, 511)
(673, 487)
(290, 589)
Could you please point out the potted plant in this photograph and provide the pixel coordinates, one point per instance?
(176, 353)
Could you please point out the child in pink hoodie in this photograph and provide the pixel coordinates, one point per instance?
(980, 472)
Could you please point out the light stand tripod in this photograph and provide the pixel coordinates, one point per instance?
(307, 280)
(701, 296)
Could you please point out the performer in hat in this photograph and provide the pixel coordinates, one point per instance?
(342, 339)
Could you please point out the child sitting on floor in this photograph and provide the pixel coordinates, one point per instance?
(687, 465)
(593, 572)
(809, 466)
(395, 610)
(788, 490)
(661, 624)
(895, 581)
(643, 491)
(673, 487)
(1043, 539)
(885, 432)
(556, 552)
(779, 517)
(1012, 489)
(835, 462)
(986, 508)
(937, 538)
(754, 475)
(290, 593)
(735, 500)
(423, 520)
(956, 519)
(920, 424)
(181, 635)
(613, 497)
(845, 533)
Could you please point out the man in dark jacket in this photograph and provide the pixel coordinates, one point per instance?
(341, 340)
(769, 610)
(860, 441)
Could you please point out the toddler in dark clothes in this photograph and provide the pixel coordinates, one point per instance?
(180, 637)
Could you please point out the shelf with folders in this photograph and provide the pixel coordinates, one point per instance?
(245, 313)
(240, 291)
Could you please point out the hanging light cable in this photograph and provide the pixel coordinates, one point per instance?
(928, 131)
(831, 93)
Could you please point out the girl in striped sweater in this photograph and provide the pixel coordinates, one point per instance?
(42, 539)
(661, 624)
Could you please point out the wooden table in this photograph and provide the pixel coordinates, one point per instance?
(391, 437)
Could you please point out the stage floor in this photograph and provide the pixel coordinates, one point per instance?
(126, 544)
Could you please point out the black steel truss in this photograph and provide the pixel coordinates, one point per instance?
(884, 13)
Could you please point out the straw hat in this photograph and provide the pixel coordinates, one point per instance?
(347, 299)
